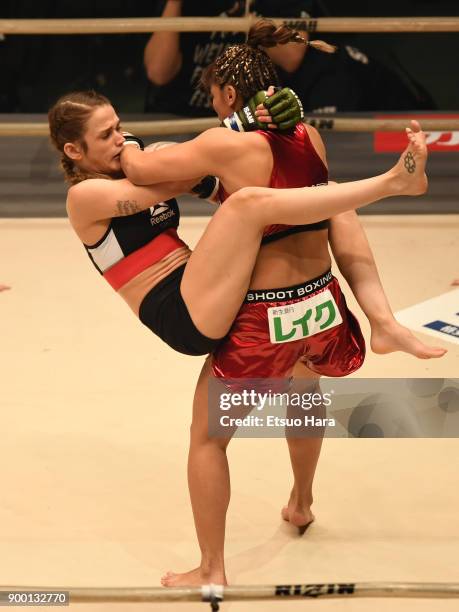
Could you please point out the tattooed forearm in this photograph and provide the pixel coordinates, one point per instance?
(126, 207)
(410, 162)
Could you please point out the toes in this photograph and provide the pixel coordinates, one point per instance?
(411, 136)
(167, 575)
(168, 579)
(415, 135)
(438, 353)
(432, 353)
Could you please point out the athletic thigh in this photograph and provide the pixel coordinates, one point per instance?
(218, 272)
(202, 404)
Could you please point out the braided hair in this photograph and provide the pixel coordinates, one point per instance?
(247, 67)
(67, 123)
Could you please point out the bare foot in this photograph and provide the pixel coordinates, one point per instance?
(393, 336)
(297, 516)
(194, 578)
(410, 168)
(4, 287)
(455, 282)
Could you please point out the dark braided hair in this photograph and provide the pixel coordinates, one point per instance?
(247, 66)
(67, 123)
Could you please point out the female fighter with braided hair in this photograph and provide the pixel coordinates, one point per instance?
(130, 234)
(291, 260)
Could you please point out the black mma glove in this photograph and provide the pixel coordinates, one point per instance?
(130, 139)
(206, 188)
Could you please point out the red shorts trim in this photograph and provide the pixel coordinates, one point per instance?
(247, 352)
(135, 263)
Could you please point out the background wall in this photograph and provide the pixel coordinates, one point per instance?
(37, 69)
(430, 58)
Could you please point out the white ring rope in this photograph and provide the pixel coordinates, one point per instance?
(250, 592)
(133, 25)
(189, 126)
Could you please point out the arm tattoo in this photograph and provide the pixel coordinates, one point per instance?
(126, 207)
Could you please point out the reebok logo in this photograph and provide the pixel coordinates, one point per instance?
(160, 212)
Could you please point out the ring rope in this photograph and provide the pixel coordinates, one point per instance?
(249, 592)
(189, 126)
(247, 15)
(228, 24)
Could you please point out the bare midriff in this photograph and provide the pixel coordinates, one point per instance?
(283, 263)
(137, 288)
(291, 260)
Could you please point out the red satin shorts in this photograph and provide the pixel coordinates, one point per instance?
(275, 328)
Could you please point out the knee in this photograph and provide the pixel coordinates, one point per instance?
(249, 201)
(200, 438)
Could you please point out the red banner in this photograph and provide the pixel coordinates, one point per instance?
(395, 142)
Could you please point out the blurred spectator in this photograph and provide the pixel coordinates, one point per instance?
(174, 62)
(348, 80)
(37, 69)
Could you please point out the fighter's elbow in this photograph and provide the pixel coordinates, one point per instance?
(136, 173)
(161, 67)
(290, 64)
(158, 75)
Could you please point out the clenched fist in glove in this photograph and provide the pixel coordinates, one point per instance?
(282, 110)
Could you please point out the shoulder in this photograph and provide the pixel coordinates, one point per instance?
(317, 142)
(217, 135)
(312, 131)
(83, 190)
(87, 190)
(82, 198)
(223, 138)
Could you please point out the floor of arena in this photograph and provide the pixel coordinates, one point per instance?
(95, 418)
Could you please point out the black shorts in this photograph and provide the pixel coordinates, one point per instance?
(165, 313)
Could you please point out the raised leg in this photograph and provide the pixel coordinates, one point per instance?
(218, 273)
